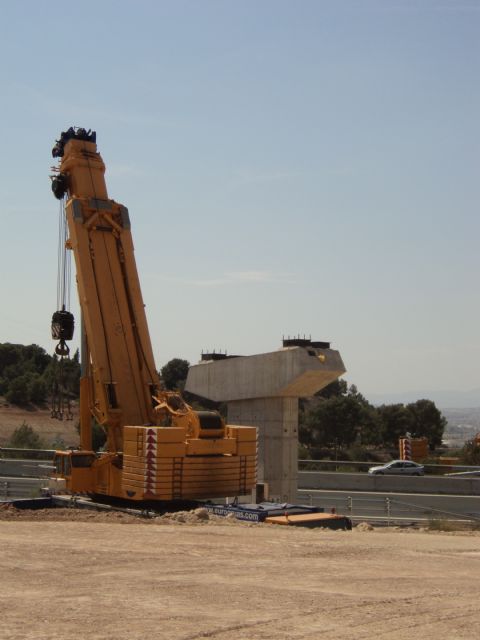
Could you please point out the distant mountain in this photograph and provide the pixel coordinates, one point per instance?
(443, 399)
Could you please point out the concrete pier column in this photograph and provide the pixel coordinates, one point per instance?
(277, 420)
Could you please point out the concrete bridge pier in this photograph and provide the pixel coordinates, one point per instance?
(263, 391)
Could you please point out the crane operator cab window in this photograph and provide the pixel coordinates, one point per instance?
(64, 462)
(82, 460)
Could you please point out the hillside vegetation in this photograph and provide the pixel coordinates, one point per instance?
(29, 375)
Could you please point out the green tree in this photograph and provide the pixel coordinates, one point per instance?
(337, 417)
(24, 437)
(9, 355)
(18, 390)
(22, 373)
(370, 432)
(37, 390)
(36, 358)
(332, 422)
(395, 421)
(174, 374)
(427, 421)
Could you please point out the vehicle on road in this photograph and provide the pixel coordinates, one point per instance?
(398, 467)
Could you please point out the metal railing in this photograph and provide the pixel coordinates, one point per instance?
(385, 509)
(27, 454)
(20, 488)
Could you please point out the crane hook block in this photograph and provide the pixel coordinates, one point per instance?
(62, 325)
(62, 329)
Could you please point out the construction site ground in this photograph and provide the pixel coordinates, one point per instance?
(79, 574)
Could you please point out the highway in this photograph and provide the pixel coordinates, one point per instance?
(396, 500)
(25, 468)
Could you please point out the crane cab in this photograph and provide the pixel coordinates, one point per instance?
(76, 468)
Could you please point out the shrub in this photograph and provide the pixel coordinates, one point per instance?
(24, 437)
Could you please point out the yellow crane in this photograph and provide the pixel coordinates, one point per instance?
(157, 448)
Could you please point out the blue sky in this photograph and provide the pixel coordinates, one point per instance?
(289, 167)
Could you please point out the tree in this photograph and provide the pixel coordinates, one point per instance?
(470, 453)
(8, 355)
(338, 416)
(427, 421)
(24, 437)
(18, 392)
(370, 431)
(37, 390)
(174, 374)
(16, 359)
(332, 422)
(36, 358)
(24, 373)
(395, 421)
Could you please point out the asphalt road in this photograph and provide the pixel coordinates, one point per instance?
(25, 468)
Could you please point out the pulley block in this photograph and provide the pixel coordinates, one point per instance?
(62, 329)
(62, 325)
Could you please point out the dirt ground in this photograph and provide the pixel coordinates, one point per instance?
(81, 575)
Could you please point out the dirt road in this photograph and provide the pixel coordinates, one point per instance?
(97, 578)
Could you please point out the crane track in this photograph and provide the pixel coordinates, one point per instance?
(146, 511)
(82, 502)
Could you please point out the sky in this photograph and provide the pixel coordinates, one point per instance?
(290, 168)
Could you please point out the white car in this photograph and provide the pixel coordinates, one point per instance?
(398, 468)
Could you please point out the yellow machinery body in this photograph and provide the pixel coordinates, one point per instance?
(158, 447)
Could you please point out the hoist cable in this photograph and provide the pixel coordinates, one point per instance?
(63, 262)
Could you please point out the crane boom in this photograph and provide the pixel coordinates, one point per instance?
(123, 369)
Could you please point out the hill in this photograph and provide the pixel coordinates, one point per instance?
(50, 430)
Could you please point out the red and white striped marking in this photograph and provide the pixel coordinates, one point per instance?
(151, 461)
